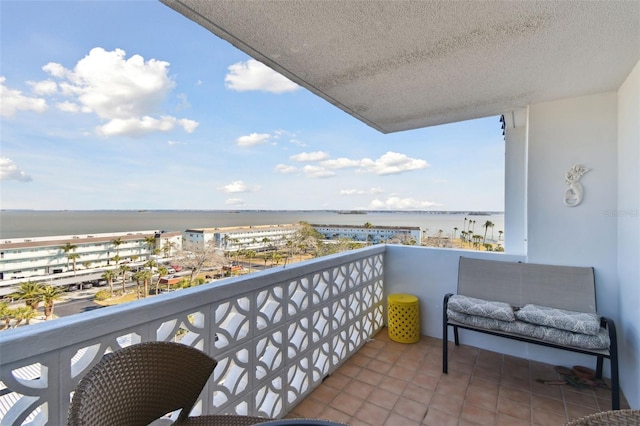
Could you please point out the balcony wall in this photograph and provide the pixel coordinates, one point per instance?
(301, 322)
(276, 335)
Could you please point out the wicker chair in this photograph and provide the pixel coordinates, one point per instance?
(141, 383)
(609, 418)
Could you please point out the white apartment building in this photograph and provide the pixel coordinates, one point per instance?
(373, 234)
(68, 255)
(258, 238)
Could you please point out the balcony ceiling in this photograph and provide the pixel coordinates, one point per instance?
(399, 65)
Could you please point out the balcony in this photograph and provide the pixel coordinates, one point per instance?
(306, 340)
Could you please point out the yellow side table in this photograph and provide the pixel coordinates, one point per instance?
(403, 318)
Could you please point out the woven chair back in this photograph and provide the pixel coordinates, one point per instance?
(139, 384)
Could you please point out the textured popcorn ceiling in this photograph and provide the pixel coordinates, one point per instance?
(399, 65)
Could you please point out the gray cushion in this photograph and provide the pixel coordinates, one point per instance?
(576, 322)
(483, 308)
(549, 334)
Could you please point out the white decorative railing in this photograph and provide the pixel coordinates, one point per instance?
(276, 335)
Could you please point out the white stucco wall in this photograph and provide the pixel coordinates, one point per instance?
(627, 215)
(561, 134)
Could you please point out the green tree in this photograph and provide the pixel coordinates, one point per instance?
(488, 224)
(162, 272)
(251, 254)
(139, 277)
(123, 269)
(49, 296)
(23, 313)
(6, 315)
(86, 264)
(30, 292)
(368, 226)
(74, 258)
(110, 275)
(150, 241)
(117, 243)
(68, 248)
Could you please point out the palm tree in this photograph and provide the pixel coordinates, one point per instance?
(6, 314)
(138, 277)
(368, 226)
(123, 269)
(500, 235)
(86, 264)
(23, 313)
(151, 243)
(49, 295)
(251, 254)
(74, 258)
(464, 227)
(30, 292)
(68, 248)
(455, 229)
(117, 243)
(110, 275)
(488, 224)
(162, 272)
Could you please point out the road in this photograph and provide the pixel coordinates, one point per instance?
(75, 306)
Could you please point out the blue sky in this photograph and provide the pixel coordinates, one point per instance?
(129, 105)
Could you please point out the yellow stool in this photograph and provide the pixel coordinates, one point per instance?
(403, 318)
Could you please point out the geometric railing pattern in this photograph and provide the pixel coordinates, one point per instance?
(276, 335)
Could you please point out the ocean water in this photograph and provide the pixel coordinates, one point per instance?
(30, 223)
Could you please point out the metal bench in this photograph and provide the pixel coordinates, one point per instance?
(562, 287)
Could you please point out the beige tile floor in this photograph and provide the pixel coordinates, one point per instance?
(395, 384)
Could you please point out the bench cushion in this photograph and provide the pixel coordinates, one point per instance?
(484, 308)
(540, 332)
(577, 322)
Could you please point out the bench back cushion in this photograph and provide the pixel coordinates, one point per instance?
(563, 287)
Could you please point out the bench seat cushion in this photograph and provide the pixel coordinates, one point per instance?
(577, 322)
(540, 332)
(483, 308)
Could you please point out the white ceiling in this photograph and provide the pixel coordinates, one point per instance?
(399, 65)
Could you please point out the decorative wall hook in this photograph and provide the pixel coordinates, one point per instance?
(573, 194)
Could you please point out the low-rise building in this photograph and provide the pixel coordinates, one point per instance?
(258, 238)
(44, 258)
(372, 234)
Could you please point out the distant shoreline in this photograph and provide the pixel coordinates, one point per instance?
(44, 223)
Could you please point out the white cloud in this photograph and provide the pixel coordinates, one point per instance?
(285, 169)
(67, 106)
(233, 187)
(10, 171)
(439, 180)
(341, 163)
(392, 163)
(370, 191)
(126, 93)
(253, 139)
(317, 172)
(254, 75)
(310, 156)
(297, 142)
(397, 203)
(14, 100)
(234, 202)
(45, 87)
(175, 143)
(55, 70)
(137, 126)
